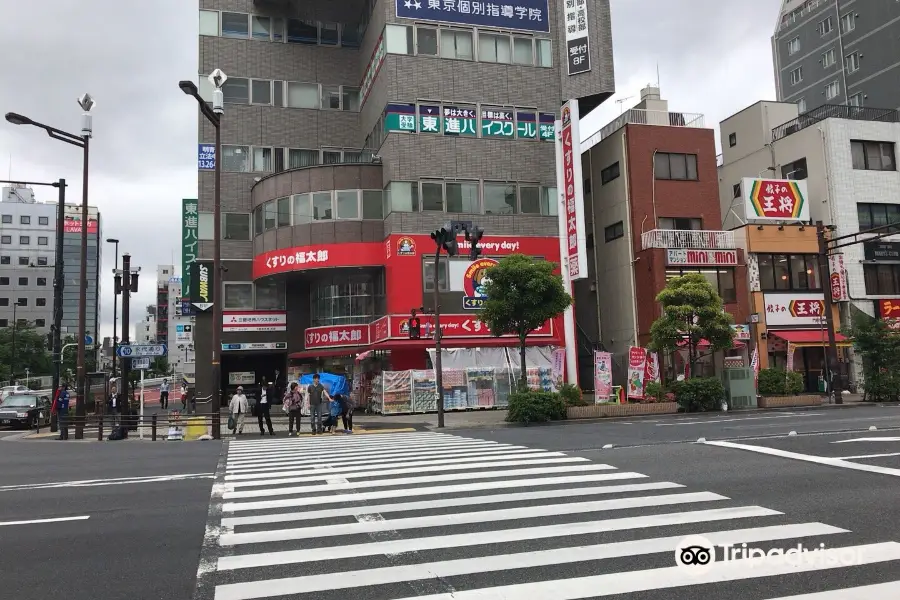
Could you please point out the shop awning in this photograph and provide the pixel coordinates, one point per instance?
(328, 353)
(705, 344)
(485, 342)
(809, 337)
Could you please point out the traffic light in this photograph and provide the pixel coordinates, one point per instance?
(474, 238)
(445, 238)
(414, 326)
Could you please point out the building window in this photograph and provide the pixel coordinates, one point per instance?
(523, 51)
(331, 97)
(826, 26)
(722, 280)
(736, 190)
(302, 95)
(873, 156)
(40, 323)
(7, 218)
(347, 204)
(732, 140)
(237, 295)
(530, 199)
(832, 90)
(681, 223)
(4, 280)
(789, 272)
(302, 158)
(856, 100)
(499, 198)
(676, 166)
(236, 90)
(24, 220)
(4, 260)
(351, 36)
(40, 302)
(426, 41)
(43, 220)
(42, 281)
(23, 261)
(42, 261)
(877, 215)
(22, 301)
(236, 159)
(236, 25)
(43, 240)
(283, 208)
(796, 75)
(794, 170)
(852, 62)
(261, 28)
(828, 58)
(4, 301)
(209, 22)
(614, 231)
(457, 44)
(543, 53)
(801, 105)
(794, 46)
(493, 48)
(398, 39)
(432, 195)
(235, 226)
(302, 32)
(349, 98)
(329, 34)
(262, 160)
(270, 294)
(24, 239)
(5, 239)
(321, 206)
(373, 203)
(609, 173)
(428, 276)
(848, 22)
(343, 300)
(402, 196)
(261, 91)
(882, 280)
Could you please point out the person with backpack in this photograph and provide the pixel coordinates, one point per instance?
(293, 405)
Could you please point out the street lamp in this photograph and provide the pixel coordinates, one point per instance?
(86, 102)
(214, 116)
(115, 307)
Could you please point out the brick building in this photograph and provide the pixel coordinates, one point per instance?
(354, 128)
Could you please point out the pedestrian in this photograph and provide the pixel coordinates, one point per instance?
(164, 394)
(316, 391)
(334, 411)
(114, 405)
(239, 408)
(293, 405)
(183, 397)
(347, 407)
(62, 411)
(264, 406)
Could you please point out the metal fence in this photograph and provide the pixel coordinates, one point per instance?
(834, 111)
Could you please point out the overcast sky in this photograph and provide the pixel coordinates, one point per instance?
(714, 58)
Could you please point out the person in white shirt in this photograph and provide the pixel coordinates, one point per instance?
(114, 405)
(239, 408)
(164, 394)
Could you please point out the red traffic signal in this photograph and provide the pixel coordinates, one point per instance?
(414, 328)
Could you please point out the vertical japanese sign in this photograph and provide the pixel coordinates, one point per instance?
(526, 125)
(203, 284)
(571, 218)
(602, 376)
(497, 123)
(372, 69)
(651, 369)
(400, 117)
(206, 157)
(189, 242)
(578, 55)
(838, 278)
(637, 366)
(547, 127)
(775, 199)
(459, 121)
(429, 119)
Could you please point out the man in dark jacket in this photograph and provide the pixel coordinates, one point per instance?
(266, 397)
(62, 411)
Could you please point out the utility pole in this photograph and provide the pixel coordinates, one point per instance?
(59, 283)
(126, 284)
(835, 384)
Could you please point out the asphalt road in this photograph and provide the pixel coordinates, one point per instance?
(127, 528)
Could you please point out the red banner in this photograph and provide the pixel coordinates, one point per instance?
(380, 330)
(318, 256)
(336, 336)
(74, 226)
(456, 326)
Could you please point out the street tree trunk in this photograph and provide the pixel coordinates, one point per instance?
(523, 382)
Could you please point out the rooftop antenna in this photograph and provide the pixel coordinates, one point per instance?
(621, 102)
(657, 74)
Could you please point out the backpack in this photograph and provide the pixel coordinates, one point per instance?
(118, 433)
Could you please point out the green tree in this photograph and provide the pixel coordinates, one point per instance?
(70, 357)
(879, 347)
(159, 367)
(522, 294)
(692, 311)
(31, 352)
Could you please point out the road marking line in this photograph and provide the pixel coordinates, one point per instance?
(345, 440)
(500, 536)
(344, 443)
(271, 479)
(631, 582)
(821, 460)
(38, 521)
(101, 482)
(865, 592)
(303, 490)
(378, 460)
(521, 560)
(427, 491)
(393, 449)
(310, 515)
(702, 422)
(869, 439)
(483, 516)
(889, 454)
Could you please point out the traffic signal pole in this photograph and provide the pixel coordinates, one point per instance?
(438, 378)
(126, 329)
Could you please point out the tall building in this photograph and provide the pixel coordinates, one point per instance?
(72, 270)
(651, 214)
(164, 274)
(837, 52)
(145, 329)
(353, 129)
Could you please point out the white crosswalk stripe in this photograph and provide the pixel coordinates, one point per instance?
(440, 517)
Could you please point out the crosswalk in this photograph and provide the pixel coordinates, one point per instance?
(440, 517)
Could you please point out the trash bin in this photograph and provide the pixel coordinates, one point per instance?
(821, 384)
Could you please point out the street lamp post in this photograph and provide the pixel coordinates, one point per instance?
(214, 116)
(115, 308)
(86, 102)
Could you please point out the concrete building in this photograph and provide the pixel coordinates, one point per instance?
(145, 329)
(651, 213)
(352, 130)
(837, 52)
(848, 161)
(167, 324)
(72, 270)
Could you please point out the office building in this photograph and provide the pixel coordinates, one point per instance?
(833, 52)
(355, 128)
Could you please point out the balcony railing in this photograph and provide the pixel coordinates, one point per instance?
(696, 240)
(834, 111)
(640, 116)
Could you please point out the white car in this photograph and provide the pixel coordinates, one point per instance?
(12, 389)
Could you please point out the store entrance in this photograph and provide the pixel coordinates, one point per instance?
(250, 370)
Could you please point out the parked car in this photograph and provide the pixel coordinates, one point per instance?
(12, 389)
(25, 410)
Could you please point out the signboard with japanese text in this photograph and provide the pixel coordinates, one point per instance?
(400, 117)
(887, 251)
(838, 278)
(303, 258)
(254, 320)
(568, 159)
(888, 310)
(602, 376)
(379, 330)
(527, 15)
(202, 290)
(406, 246)
(429, 118)
(686, 257)
(637, 367)
(206, 157)
(775, 199)
(578, 55)
(184, 334)
(794, 309)
(190, 217)
(336, 336)
(497, 123)
(741, 332)
(255, 346)
(72, 224)
(526, 125)
(474, 278)
(547, 127)
(456, 326)
(372, 69)
(459, 121)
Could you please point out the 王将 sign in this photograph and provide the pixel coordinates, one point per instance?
(775, 199)
(794, 309)
(578, 54)
(527, 15)
(838, 278)
(686, 257)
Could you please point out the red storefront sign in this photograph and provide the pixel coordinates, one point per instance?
(702, 257)
(569, 156)
(889, 311)
(380, 330)
(319, 256)
(457, 326)
(336, 336)
(71, 225)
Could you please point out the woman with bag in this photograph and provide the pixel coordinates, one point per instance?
(293, 403)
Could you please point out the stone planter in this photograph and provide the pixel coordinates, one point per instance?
(788, 401)
(596, 411)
